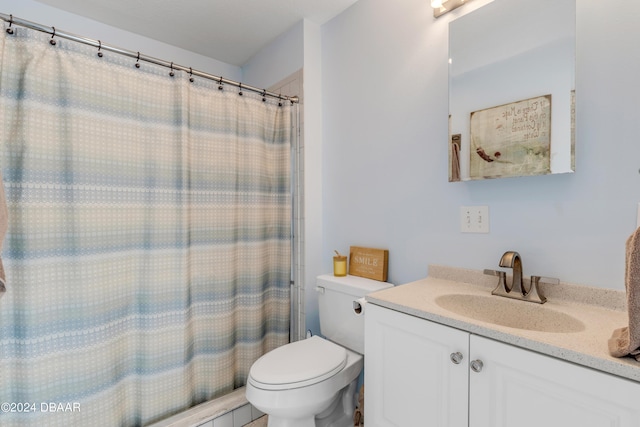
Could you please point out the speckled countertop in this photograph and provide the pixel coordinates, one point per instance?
(600, 311)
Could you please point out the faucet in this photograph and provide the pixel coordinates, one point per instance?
(517, 289)
(511, 259)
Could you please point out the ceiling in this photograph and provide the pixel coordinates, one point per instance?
(230, 31)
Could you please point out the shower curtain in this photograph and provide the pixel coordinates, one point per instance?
(148, 249)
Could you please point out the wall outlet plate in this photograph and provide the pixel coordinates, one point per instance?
(474, 219)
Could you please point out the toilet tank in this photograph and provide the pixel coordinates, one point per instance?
(338, 320)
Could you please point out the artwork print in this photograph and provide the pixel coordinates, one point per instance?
(511, 140)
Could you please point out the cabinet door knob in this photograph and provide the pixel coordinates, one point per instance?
(476, 365)
(456, 357)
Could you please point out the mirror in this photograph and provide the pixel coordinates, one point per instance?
(512, 90)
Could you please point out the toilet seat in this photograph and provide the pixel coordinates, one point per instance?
(298, 364)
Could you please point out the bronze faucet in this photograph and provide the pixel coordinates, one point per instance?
(517, 289)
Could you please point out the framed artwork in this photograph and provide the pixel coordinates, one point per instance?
(511, 140)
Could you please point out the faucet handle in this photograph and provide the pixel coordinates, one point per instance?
(535, 293)
(547, 280)
(495, 273)
(501, 289)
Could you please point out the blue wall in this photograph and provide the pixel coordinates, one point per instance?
(278, 60)
(385, 133)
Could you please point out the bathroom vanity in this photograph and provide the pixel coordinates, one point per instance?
(464, 366)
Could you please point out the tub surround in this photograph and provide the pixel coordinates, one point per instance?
(231, 410)
(600, 310)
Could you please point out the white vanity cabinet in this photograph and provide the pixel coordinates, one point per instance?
(412, 380)
(518, 387)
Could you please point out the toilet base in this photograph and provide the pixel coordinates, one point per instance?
(342, 413)
(276, 422)
(338, 414)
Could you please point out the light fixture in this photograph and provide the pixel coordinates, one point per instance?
(440, 7)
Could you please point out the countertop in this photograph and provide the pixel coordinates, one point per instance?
(601, 311)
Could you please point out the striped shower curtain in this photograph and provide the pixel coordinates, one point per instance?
(148, 248)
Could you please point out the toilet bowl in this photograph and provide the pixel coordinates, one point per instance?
(313, 382)
(318, 394)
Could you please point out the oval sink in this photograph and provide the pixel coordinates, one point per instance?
(509, 312)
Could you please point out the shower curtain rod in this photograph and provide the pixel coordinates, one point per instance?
(12, 20)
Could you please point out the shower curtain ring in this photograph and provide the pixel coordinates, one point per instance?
(52, 42)
(138, 61)
(10, 30)
(240, 86)
(280, 100)
(264, 95)
(220, 87)
(171, 73)
(99, 47)
(191, 74)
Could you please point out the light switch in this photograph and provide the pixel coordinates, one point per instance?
(474, 219)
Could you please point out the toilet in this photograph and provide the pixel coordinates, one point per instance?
(313, 382)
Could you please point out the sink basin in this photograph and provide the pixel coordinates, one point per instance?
(509, 312)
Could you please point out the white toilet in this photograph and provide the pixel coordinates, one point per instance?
(313, 382)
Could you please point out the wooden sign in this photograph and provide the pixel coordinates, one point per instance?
(369, 263)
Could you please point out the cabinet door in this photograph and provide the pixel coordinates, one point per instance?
(521, 388)
(410, 380)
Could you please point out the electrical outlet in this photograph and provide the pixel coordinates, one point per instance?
(474, 219)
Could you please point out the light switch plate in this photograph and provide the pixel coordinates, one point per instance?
(474, 219)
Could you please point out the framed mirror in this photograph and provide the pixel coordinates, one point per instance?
(512, 90)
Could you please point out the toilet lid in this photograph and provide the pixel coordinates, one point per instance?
(298, 364)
